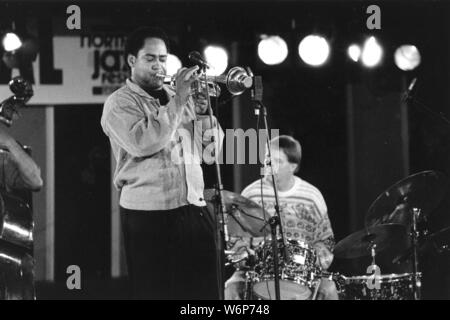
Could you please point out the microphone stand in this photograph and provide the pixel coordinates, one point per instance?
(219, 203)
(274, 221)
(415, 102)
(416, 213)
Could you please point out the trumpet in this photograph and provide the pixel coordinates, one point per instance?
(236, 80)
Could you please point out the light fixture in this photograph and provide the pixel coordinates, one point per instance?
(11, 42)
(217, 57)
(407, 57)
(354, 52)
(272, 50)
(372, 53)
(314, 50)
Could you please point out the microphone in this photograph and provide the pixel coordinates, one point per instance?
(411, 86)
(196, 57)
(257, 86)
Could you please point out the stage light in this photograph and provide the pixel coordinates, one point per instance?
(272, 50)
(173, 64)
(407, 57)
(354, 52)
(314, 50)
(217, 57)
(11, 42)
(372, 53)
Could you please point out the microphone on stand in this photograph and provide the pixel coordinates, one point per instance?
(197, 58)
(257, 86)
(408, 91)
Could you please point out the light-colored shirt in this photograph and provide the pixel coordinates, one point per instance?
(303, 211)
(158, 149)
(304, 218)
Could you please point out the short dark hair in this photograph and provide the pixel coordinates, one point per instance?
(135, 40)
(291, 148)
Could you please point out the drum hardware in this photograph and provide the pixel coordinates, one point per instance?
(260, 109)
(374, 270)
(391, 287)
(414, 238)
(316, 289)
(427, 242)
(298, 273)
(361, 243)
(243, 217)
(401, 231)
(423, 190)
(410, 202)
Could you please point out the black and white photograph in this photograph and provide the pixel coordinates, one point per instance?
(234, 151)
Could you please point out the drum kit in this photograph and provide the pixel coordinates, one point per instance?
(396, 225)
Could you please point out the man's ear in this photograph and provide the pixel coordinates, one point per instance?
(131, 60)
(293, 167)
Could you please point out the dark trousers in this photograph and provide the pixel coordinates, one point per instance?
(171, 254)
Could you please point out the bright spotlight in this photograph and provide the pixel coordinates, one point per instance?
(314, 50)
(272, 50)
(372, 53)
(173, 64)
(407, 57)
(217, 57)
(354, 52)
(11, 42)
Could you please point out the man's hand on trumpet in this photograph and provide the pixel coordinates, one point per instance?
(184, 79)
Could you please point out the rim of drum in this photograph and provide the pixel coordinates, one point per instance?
(391, 276)
(265, 285)
(297, 242)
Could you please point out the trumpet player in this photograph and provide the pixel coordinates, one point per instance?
(169, 240)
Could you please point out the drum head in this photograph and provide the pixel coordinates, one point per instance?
(288, 290)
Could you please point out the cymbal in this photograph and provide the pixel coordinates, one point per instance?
(243, 217)
(359, 244)
(423, 190)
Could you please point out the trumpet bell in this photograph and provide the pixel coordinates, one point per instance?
(238, 81)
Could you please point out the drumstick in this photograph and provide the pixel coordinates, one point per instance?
(316, 289)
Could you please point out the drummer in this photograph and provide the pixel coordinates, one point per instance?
(303, 214)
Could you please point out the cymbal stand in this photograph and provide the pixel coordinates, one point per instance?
(414, 240)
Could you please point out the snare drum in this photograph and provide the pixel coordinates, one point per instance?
(392, 287)
(297, 273)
